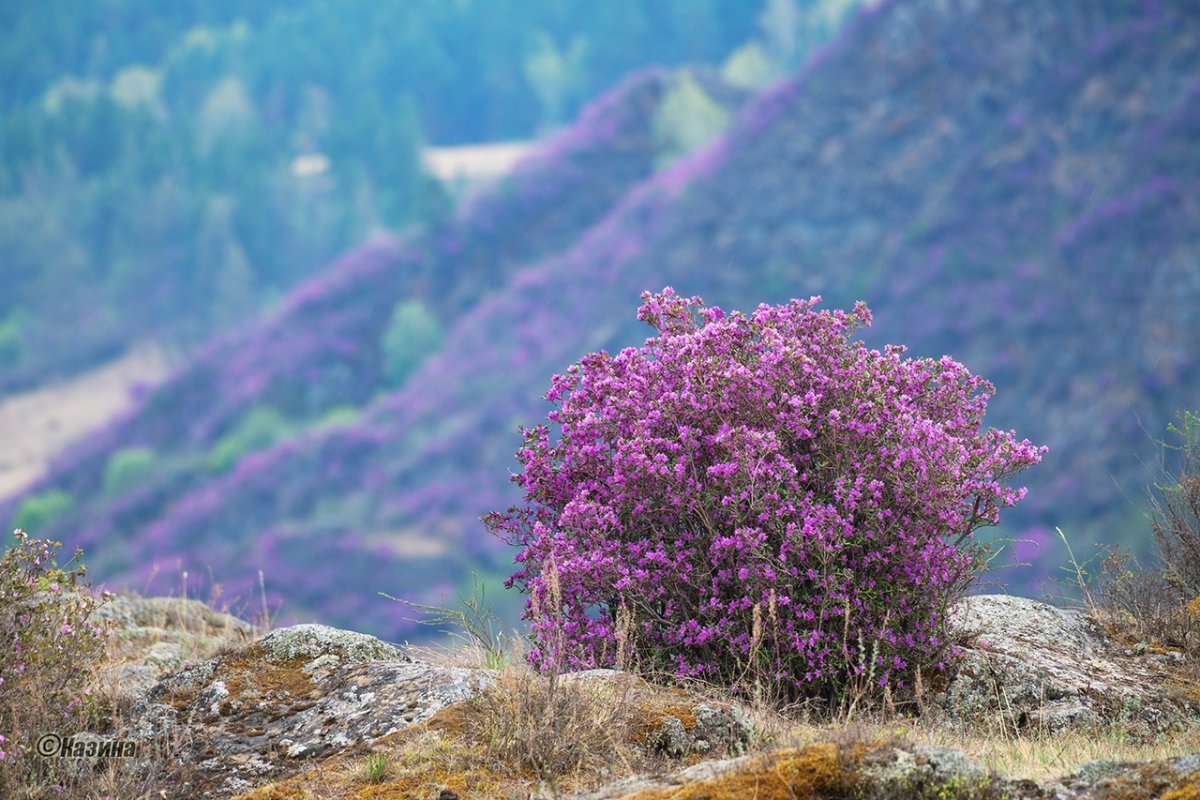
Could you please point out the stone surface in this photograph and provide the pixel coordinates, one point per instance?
(315, 641)
(1052, 669)
(157, 636)
(922, 771)
(699, 728)
(257, 712)
(917, 772)
(170, 618)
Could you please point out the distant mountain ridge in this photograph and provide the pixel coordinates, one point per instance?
(1007, 183)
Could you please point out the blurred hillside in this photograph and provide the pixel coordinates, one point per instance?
(1008, 183)
(171, 170)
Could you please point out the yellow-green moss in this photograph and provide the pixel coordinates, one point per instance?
(251, 673)
(1193, 608)
(1186, 791)
(810, 772)
(649, 720)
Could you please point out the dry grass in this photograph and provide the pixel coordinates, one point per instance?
(550, 727)
(1036, 756)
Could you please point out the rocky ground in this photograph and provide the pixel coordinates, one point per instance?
(312, 711)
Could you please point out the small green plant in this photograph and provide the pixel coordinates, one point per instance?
(38, 511)
(377, 768)
(476, 621)
(127, 469)
(51, 643)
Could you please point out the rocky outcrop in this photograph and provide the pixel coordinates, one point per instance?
(258, 711)
(158, 636)
(1050, 669)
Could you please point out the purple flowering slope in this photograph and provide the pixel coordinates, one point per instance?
(1007, 183)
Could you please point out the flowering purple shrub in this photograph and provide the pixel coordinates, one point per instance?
(51, 642)
(756, 498)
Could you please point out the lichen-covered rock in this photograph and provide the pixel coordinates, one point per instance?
(255, 713)
(1176, 778)
(312, 641)
(1053, 669)
(887, 772)
(700, 728)
(922, 771)
(157, 636)
(170, 618)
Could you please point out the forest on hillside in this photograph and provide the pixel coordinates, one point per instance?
(168, 171)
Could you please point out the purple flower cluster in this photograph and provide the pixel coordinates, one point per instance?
(756, 494)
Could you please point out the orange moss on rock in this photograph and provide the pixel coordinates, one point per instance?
(1152, 781)
(811, 772)
(249, 676)
(251, 672)
(1186, 791)
(430, 784)
(451, 721)
(291, 789)
(649, 720)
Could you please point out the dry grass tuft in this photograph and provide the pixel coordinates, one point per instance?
(549, 726)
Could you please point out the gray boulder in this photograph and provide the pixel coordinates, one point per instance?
(1053, 669)
(157, 636)
(260, 711)
(311, 642)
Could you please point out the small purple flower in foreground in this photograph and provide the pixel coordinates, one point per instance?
(736, 462)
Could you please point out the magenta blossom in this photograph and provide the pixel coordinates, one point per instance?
(756, 495)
